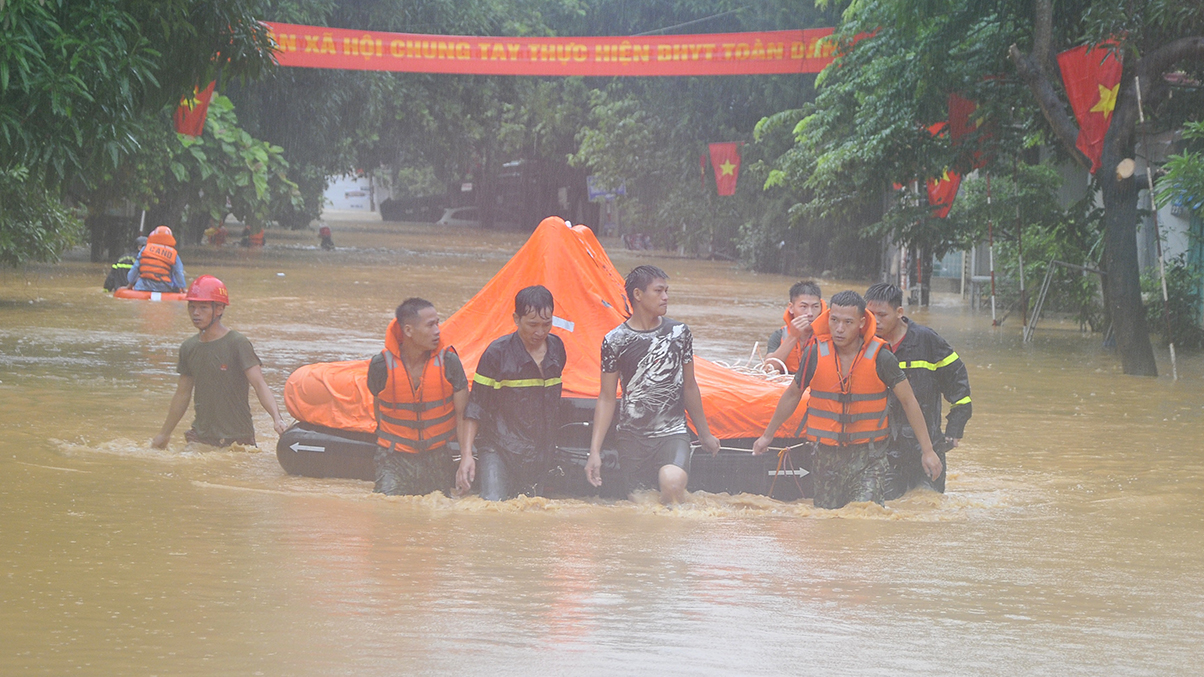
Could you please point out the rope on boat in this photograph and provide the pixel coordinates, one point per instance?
(759, 370)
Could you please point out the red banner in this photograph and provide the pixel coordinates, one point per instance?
(1092, 80)
(190, 114)
(769, 52)
(725, 160)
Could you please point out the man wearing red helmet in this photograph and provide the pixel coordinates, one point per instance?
(220, 365)
(158, 267)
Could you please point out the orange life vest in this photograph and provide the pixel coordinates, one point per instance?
(846, 411)
(796, 353)
(256, 240)
(409, 419)
(155, 263)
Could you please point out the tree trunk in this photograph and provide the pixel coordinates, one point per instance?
(1123, 281)
(1122, 286)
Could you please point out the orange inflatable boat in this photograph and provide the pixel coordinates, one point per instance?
(332, 399)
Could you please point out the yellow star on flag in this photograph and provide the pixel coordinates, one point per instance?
(189, 101)
(1107, 100)
(727, 168)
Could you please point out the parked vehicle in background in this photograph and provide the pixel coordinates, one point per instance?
(421, 209)
(472, 217)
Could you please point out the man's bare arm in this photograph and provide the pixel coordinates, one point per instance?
(604, 412)
(787, 403)
(175, 411)
(266, 398)
(693, 401)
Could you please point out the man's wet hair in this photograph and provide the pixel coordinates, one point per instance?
(534, 298)
(640, 277)
(409, 309)
(848, 299)
(805, 288)
(886, 293)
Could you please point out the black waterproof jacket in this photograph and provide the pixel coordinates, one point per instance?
(517, 406)
(934, 371)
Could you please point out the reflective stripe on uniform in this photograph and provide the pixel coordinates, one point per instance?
(515, 383)
(964, 400)
(921, 364)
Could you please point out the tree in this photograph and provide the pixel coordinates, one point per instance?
(227, 171)
(1151, 37)
(902, 58)
(81, 80)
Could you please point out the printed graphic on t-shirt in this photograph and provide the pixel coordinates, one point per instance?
(649, 364)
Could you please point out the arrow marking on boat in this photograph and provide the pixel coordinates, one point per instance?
(297, 446)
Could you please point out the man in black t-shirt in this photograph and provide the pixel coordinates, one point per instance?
(220, 365)
(653, 357)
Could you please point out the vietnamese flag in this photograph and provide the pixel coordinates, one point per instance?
(725, 160)
(960, 124)
(1092, 80)
(942, 191)
(190, 115)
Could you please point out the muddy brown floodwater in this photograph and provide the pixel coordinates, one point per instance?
(1069, 541)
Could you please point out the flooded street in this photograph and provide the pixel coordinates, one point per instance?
(1070, 541)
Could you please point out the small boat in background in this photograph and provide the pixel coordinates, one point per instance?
(138, 295)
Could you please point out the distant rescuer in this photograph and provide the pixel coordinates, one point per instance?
(159, 267)
(515, 405)
(849, 371)
(120, 271)
(786, 344)
(421, 394)
(219, 364)
(654, 357)
(933, 370)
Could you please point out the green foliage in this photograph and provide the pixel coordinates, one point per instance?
(1183, 284)
(34, 225)
(1183, 182)
(1027, 193)
(84, 85)
(76, 77)
(867, 127)
(227, 165)
(1048, 232)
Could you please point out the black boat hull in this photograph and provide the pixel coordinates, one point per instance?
(313, 451)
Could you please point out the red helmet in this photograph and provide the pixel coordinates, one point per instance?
(162, 235)
(208, 288)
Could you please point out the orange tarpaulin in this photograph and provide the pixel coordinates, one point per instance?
(590, 301)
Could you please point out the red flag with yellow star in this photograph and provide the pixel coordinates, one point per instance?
(725, 160)
(1092, 79)
(190, 115)
(942, 191)
(962, 122)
